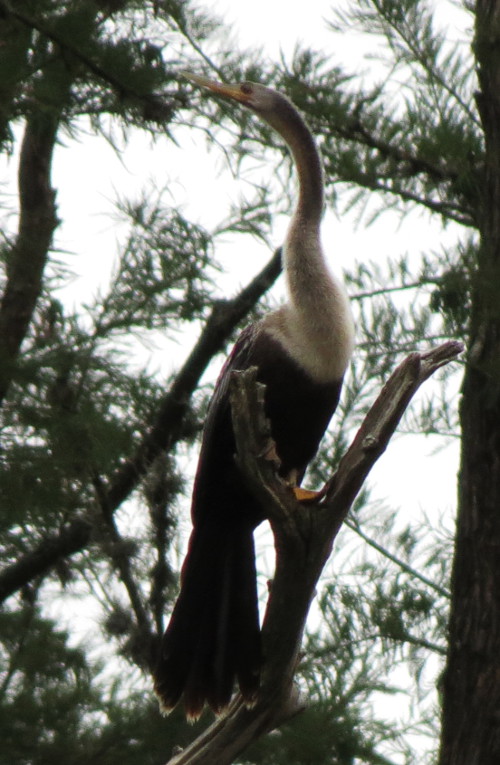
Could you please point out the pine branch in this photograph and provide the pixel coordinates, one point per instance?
(404, 163)
(25, 629)
(409, 32)
(419, 642)
(417, 284)
(445, 209)
(414, 163)
(161, 435)
(156, 107)
(398, 561)
(163, 432)
(180, 21)
(304, 536)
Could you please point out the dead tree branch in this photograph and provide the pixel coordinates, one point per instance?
(304, 536)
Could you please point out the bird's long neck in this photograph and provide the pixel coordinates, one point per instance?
(305, 266)
(305, 153)
(318, 314)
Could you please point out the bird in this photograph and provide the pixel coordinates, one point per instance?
(301, 350)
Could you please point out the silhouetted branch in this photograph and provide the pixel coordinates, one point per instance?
(304, 535)
(28, 256)
(70, 540)
(120, 551)
(448, 210)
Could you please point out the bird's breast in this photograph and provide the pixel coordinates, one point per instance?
(320, 341)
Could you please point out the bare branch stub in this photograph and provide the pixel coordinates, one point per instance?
(379, 425)
(304, 536)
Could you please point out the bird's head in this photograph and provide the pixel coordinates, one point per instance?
(279, 112)
(254, 96)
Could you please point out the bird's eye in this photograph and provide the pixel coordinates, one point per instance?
(246, 89)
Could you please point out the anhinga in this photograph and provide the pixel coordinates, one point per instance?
(301, 352)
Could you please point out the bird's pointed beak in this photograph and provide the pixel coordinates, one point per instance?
(221, 88)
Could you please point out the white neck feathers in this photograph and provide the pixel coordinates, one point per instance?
(316, 326)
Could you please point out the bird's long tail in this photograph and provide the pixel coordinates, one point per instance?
(213, 638)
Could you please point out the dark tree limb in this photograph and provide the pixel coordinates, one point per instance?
(120, 552)
(304, 535)
(14, 44)
(70, 540)
(28, 256)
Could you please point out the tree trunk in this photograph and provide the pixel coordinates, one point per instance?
(471, 684)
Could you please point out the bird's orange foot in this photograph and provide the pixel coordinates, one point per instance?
(306, 495)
